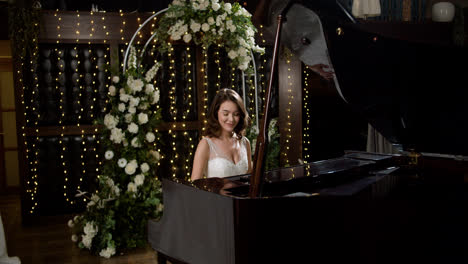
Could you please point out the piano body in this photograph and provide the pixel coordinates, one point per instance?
(361, 207)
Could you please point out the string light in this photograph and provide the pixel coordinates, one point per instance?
(188, 98)
(204, 70)
(306, 128)
(290, 97)
(172, 109)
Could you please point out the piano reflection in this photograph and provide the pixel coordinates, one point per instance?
(361, 207)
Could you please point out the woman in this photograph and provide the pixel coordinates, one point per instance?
(224, 151)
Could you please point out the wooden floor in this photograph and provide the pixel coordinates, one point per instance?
(50, 243)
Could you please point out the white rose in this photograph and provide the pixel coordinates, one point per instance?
(108, 252)
(135, 143)
(86, 240)
(70, 223)
(232, 54)
(131, 187)
(122, 162)
(142, 118)
(122, 107)
(144, 167)
(132, 110)
(134, 101)
(149, 88)
(155, 154)
(150, 137)
(74, 238)
(110, 121)
(211, 21)
(112, 90)
(132, 128)
(194, 26)
(115, 79)
(109, 154)
(215, 6)
(116, 135)
(205, 27)
(227, 7)
(128, 118)
(139, 179)
(242, 51)
(187, 38)
(130, 168)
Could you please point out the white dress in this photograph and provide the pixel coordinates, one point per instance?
(220, 165)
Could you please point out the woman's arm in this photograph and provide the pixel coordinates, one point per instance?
(200, 160)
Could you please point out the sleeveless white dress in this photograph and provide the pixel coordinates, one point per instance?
(219, 165)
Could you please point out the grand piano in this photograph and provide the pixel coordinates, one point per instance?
(361, 207)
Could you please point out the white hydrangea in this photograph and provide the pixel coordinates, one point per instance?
(142, 118)
(139, 179)
(232, 54)
(132, 128)
(109, 154)
(108, 252)
(150, 137)
(194, 26)
(137, 85)
(144, 167)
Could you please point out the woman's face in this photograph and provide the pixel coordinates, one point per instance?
(228, 116)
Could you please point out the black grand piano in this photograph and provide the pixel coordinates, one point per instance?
(362, 207)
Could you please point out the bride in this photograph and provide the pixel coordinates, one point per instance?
(223, 151)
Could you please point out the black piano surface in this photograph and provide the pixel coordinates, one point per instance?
(361, 207)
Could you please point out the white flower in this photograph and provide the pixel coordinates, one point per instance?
(122, 162)
(144, 167)
(132, 58)
(117, 135)
(135, 143)
(122, 107)
(149, 88)
(187, 38)
(131, 167)
(232, 54)
(215, 6)
(110, 121)
(87, 240)
(150, 137)
(160, 207)
(109, 154)
(116, 190)
(131, 187)
(139, 179)
(142, 118)
(250, 32)
(211, 21)
(152, 72)
(132, 110)
(76, 218)
(115, 79)
(205, 27)
(132, 128)
(155, 154)
(110, 182)
(137, 85)
(108, 252)
(242, 51)
(74, 238)
(70, 223)
(194, 26)
(112, 90)
(227, 7)
(156, 96)
(128, 118)
(89, 229)
(134, 101)
(123, 96)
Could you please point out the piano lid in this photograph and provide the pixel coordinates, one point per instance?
(414, 92)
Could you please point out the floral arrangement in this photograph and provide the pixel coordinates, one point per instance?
(207, 22)
(129, 192)
(273, 148)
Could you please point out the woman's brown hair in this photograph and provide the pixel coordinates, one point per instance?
(213, 128)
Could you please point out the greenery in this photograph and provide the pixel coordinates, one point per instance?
(272, 157)
(208, 22)
(129, 192)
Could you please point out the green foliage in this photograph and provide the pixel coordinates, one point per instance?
(272, 155)
(129, 192)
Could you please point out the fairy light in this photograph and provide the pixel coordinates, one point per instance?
(205, 87)
(172, 109)
(263, 60)
(288, 113)
(306, 129)
(188, 98)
